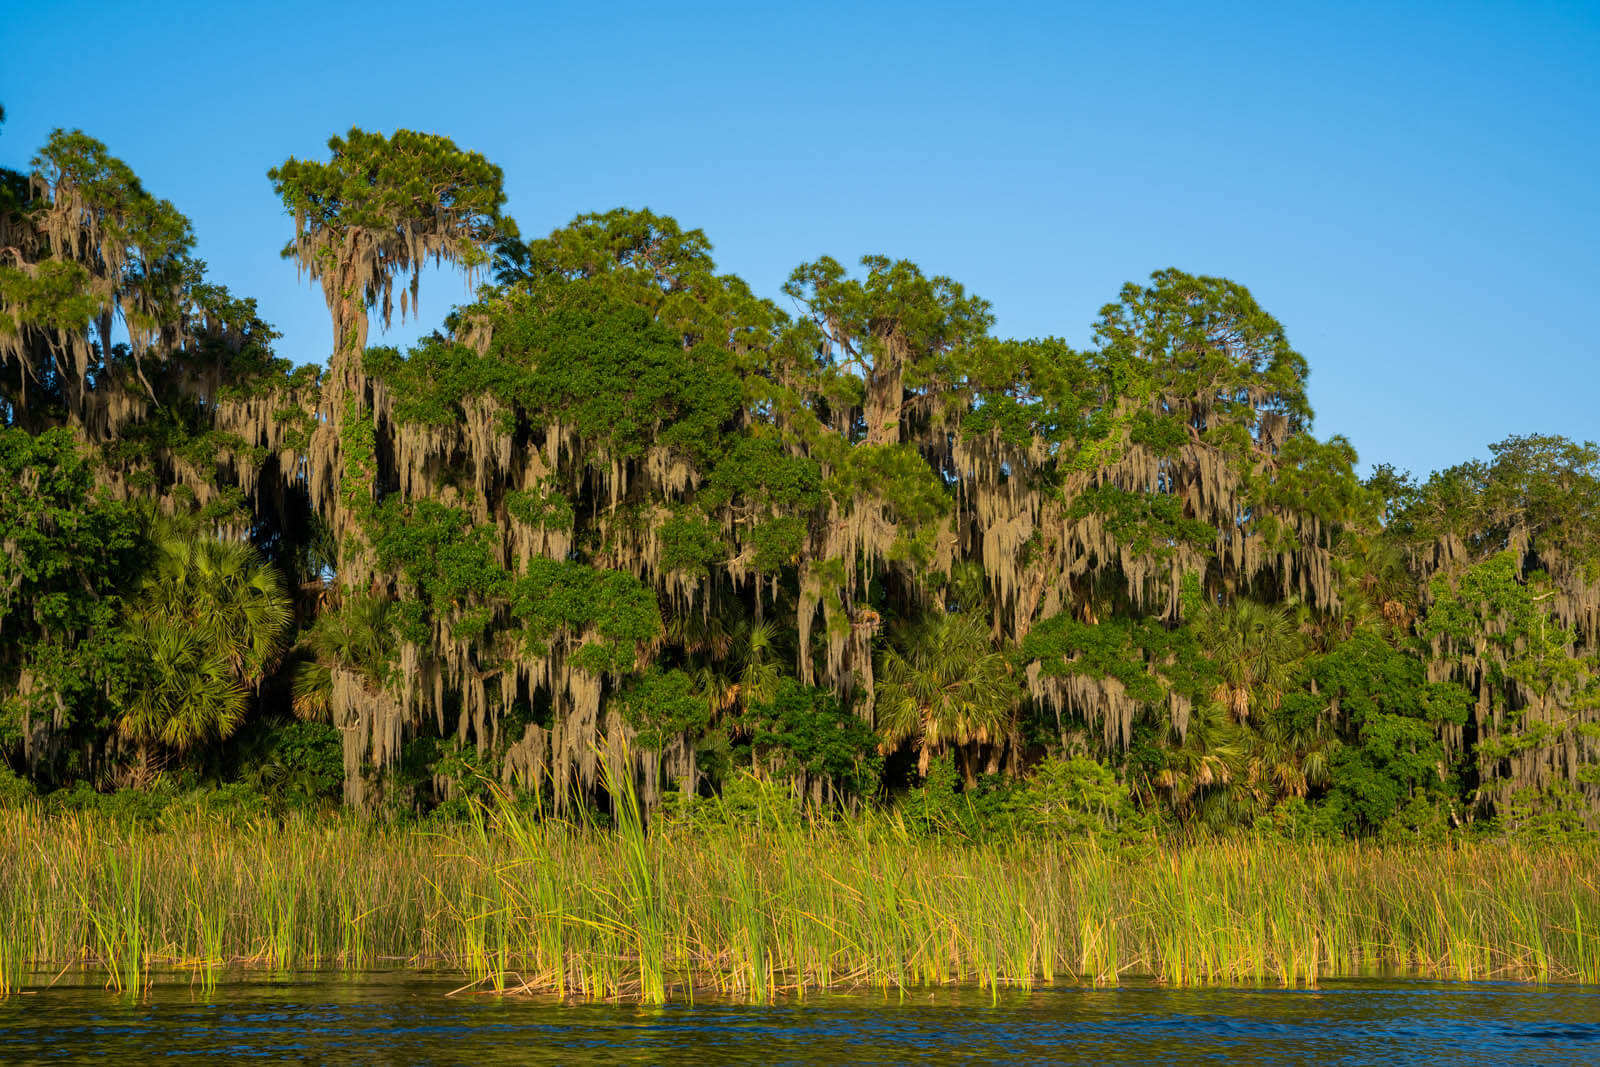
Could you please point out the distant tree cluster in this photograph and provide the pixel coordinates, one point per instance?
(622, 508)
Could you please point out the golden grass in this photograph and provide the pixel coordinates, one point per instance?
(520, 904)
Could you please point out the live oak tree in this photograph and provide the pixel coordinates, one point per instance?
(86, 252)
(1507, 553)
(67, 549)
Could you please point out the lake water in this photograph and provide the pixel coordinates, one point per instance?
(397, 1018)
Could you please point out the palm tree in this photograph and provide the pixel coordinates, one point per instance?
(756, 648)
(208, 624)
(1205, 763)
(188, 693)
(225, 590)
(357, 637)
(1255, 648)
(1288, 755)
(734, 660)
(950, 688)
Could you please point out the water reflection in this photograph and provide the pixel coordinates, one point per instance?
(408, 1019)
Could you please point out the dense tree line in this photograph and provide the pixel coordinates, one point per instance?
(621, 507)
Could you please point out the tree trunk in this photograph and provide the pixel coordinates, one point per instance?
(885, 394)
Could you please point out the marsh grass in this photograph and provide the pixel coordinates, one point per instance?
(526, 904)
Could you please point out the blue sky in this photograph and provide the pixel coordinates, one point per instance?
(1410, 188)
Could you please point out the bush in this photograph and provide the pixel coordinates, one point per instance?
(1078, 797)
(1552, 815)
(302, 767)
(1074, 797)
(15, 791)
(746, 800)
(803, 734)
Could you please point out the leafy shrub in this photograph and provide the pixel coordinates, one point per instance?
(15, 791)
(303, 766)
(803, 734)
(745, 800)
(1077, 797)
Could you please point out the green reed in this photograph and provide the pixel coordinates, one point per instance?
(514, 902)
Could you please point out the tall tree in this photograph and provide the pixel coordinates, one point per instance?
(377, 212)
(897, 329)
(373, 215)
(89, 251)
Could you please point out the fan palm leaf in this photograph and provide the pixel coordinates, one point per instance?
(948, 687)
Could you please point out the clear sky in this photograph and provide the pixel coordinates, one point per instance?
(1412, 189)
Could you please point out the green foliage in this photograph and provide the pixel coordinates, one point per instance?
(1492, 603)
(689, 543)
(912, 494)
(1076, 797)
(948, 687)
(302, 766)
(187, 693)
(442, 555)
(1315, 479)
(165, 804)
(555, 597)
(662, 705)
(1146, 657)
(937, 803)
(1525, 652)
(15, 790)
(578, 354)
(761, 474)
(546, 507)
(1147, 524)
(432, 381)
(372, 181)
(777, 543)
(56, 296)
(896, 325)
(745, 800)
(638, 247)
(67, 555)
(210, 621)
(1394, 753)
(897, 475)
(379, 208)
(1206, 344)
(1552, 815)
(459, 770)
(772, 493)
(1071, 798)
(616, 427)
(1255, 649)
(802, 733)
(222, 590)
(1164, 437)
(1541, 489)
(359, 635)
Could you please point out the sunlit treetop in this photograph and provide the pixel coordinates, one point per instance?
(1208, 351)
(383, 206)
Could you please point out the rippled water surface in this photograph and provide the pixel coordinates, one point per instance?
(410, 1019)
